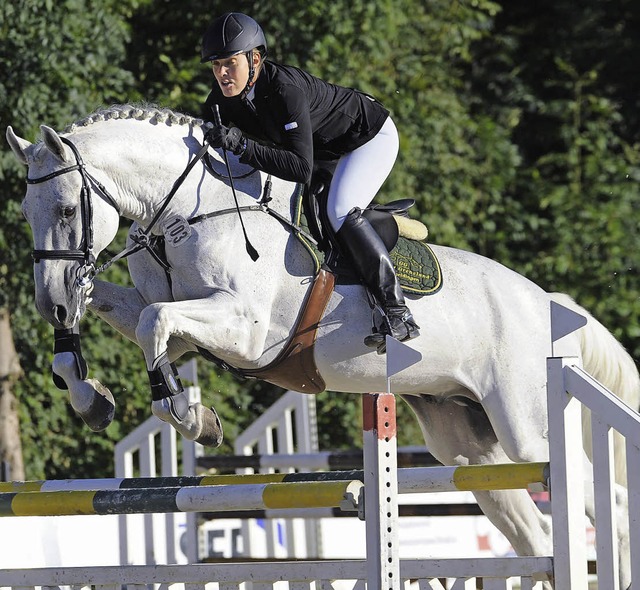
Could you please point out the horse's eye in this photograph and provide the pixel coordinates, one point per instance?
(68, 212)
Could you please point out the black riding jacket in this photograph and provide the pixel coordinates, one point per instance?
(296, 118)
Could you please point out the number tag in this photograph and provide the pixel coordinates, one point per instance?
(176, 230)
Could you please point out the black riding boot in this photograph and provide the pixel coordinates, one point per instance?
(373, 263)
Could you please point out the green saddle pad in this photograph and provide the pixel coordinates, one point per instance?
(416, 265)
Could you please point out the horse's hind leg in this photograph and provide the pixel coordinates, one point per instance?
(462, 435)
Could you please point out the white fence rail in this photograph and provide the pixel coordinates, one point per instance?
(302, 575)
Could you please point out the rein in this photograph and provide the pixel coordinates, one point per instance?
(88, 271)
(143, 239)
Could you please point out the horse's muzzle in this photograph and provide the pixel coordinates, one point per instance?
(60, 316)
(60, 303)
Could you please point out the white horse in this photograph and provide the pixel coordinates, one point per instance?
(479, 393)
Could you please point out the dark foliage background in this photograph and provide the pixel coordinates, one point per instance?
(519, 140)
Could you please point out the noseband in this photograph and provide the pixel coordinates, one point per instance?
(85, 252)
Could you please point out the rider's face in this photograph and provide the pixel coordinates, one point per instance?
(232, 74)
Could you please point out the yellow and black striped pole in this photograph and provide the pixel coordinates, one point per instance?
(260, 496)
(500, 476)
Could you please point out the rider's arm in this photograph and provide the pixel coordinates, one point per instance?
(290, 121)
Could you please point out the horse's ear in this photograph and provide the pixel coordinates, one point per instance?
(18, 145)
(54, 143)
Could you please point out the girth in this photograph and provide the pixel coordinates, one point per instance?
(295, 368)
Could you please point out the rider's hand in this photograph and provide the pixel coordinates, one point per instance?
(231, 139)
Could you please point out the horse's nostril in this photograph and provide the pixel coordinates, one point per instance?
(60, 313)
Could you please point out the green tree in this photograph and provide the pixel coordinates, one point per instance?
(59, 61)
(568, 101)
(589, 195)
(516, 143)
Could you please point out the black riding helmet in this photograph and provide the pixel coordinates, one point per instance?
(230, 34)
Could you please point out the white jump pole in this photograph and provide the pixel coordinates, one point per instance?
(566, 458)
(381, 491)
(380, 457)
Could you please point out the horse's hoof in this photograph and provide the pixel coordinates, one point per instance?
(101, 409)
(200, 424)
(211, 434)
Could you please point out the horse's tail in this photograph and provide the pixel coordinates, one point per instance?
(605, 359)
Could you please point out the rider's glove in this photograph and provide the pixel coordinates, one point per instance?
(230, 139)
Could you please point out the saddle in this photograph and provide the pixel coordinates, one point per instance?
(416, 267)
(415, 263)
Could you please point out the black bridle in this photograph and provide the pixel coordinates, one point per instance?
(84, 253)
(142, 239)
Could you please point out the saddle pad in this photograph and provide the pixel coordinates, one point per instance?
(416, 265)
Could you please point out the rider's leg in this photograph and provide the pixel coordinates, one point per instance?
(373, 264)
(358, 177)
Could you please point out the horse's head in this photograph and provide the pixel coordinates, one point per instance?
(61, 209)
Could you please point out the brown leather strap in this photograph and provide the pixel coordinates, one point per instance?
(295, 368)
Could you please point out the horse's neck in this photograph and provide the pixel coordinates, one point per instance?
(139, 163)
(141, 168)
(138, 169)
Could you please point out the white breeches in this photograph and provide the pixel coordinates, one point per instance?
(360, 174)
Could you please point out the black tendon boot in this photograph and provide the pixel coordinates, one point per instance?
(373, 263)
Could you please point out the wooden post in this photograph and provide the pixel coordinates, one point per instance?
(10, 372)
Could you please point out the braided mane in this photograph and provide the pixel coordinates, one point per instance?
(138, 112)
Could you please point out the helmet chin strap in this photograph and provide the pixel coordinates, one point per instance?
(252, 71)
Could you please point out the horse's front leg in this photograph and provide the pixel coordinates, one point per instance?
(212, 324)
(126, 310)
(91, 400)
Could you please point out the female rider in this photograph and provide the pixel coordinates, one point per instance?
(293, 118)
